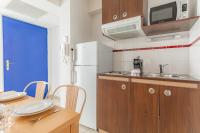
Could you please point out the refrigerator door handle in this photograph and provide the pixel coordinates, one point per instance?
(75, 55)
(75, 77)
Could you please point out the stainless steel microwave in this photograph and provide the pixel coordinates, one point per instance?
(177, 9)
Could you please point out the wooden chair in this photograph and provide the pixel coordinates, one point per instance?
(75, 97)
(40, 89)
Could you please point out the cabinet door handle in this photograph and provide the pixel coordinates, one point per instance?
(152, 91)
(123, 87)
(124, 14)
(168, 93)
(115, 17)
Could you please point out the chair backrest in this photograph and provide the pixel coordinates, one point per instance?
(40, 89)
(75, 97)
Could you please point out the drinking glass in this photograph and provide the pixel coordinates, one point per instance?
(2, 117)
(6, 117)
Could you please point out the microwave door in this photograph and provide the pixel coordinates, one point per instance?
(163, 13)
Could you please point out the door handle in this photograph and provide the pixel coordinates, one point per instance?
(152, 91)
(74, 57)
(115, 17)
(75, 77)
(8, 65)
(124, 14)
(167, 93)
(123, 87)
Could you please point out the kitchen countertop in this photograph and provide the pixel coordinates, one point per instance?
(185, 78)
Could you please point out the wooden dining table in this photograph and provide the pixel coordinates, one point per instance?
(59, 122)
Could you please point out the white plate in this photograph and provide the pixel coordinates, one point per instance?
(11, 95)
(34, 108)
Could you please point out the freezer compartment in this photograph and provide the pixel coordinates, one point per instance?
(86, 54)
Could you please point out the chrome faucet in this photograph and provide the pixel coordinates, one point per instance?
(162, 66)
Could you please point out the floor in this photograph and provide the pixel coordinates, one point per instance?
(84, 129)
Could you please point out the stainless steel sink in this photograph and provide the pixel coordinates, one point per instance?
(116, 73)
(157, 75)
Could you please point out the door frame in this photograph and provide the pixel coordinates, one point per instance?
(1, 56)
(1, 50)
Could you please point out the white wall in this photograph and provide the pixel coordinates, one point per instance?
(96, 33)
(59, 72)
(195, 52)
(80, 21)
(198, 8)
(95, 5)
(64, 30)
(195, 49)
(75, 23)
(53, 56)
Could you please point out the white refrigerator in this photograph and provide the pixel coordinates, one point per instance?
(90, 58)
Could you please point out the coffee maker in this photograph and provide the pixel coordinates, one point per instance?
(138, 64)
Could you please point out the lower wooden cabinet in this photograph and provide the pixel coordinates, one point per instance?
(112, 106)
(132, 107)
(179, 110)
(144, 109)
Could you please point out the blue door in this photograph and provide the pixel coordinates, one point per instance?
(25, 54)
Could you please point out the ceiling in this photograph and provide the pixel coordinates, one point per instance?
(42, 12)
(56, 2)
(25, 9)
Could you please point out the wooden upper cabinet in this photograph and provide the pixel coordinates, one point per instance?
(115, 10)
(110, 11)
(112, 106)
(144, 108)
(131, 8)
(179, 110)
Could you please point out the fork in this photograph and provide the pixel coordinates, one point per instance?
(44, 116)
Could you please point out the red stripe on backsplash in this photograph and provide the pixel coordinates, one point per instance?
(160, 47)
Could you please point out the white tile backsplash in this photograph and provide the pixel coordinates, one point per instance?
(178, 60)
